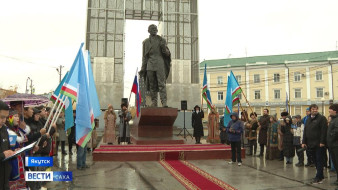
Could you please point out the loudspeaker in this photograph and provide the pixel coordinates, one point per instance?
(124, 101)
(184, 105)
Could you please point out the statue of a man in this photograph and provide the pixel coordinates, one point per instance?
(155, 65)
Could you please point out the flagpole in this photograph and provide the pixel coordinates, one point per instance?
(247, 102)
(53, 119)
(132, 88)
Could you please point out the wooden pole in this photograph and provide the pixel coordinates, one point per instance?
(247, 102)
(243, 110)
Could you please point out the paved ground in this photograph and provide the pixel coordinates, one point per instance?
(255, 173)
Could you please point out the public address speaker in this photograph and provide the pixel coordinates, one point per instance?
(184, 105)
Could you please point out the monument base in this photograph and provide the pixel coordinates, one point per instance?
(155, 126)
(157, 141)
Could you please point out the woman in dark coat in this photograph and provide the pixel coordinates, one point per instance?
(196, 123)
(264, 123)
(288, 147)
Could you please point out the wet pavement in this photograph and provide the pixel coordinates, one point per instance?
(255, 173)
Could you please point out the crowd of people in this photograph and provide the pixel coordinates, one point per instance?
(22, 125)
(278, 139)
(284, 139)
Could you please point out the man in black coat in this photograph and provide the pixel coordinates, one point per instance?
(314, 139)
(332, 137)
(5, 151)
(196, 123)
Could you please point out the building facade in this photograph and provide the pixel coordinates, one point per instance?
(277, 82)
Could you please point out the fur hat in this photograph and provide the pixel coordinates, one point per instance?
(284, 113)
(124, 104)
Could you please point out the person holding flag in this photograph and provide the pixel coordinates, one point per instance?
(80, 87)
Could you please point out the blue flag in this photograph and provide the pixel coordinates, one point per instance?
(69, 119)
(84, 110)
(228, 104)
(206, 91)
(92, 90)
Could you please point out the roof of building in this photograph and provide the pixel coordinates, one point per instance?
(272, 59)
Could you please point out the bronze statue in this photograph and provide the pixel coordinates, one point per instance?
(155, 69)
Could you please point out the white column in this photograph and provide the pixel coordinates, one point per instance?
(266, 85)
(330, 82)
(287, 87)
(247, 77)
(308, 88)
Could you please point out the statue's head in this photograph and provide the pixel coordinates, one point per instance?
(152, 29)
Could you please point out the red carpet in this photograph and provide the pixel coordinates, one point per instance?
(189, 175)
(160, 148)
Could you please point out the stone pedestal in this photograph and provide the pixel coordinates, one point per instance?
(155, 126)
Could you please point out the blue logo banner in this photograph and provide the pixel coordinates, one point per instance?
(62, 176)
(38, 176)
(39, 161)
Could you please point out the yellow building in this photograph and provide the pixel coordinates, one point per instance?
(269, 81)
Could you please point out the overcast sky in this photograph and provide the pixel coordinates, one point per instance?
(36, 36)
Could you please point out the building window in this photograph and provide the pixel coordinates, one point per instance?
(219, 80)
(239, 79)
(257, 94)
(282, 109)
(277, 94)
(298, 110)
(276, 77)
(256, 78)
(297, 76)
(298, 93)
(220, 95)
(272, 111)
(320, 93)
(258, 110)
(220, 111)
(319, 75)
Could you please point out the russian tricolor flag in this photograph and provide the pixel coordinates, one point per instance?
(136, 89)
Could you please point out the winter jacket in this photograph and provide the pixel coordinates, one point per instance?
(332, 132)
(5, 167)
(196, 123)
(299, 130)
(235, 129)
(315, 131)
(264, 121)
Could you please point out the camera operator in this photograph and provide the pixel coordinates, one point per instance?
(124, 128)
(332, 137)
(314, 140)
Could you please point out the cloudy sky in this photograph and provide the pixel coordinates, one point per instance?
(37, 36)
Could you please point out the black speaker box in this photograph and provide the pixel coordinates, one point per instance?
(184, 105)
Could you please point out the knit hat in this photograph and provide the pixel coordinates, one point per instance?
(35, 111)
(334, 107)
(307, 109)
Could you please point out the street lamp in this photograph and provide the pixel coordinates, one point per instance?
(26, 84)
(323, 99)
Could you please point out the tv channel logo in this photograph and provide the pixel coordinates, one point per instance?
(39, 176)
(48, 176)
(39, 161)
